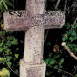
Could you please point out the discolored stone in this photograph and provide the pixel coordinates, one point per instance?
(21, 20)
(35, 70)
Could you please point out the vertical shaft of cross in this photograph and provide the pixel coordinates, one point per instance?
(34, 37)
(35, 6)
(32, 65)
(34, 45)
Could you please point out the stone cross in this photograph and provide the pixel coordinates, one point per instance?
(33, 21)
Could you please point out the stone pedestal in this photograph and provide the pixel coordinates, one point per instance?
(30, 70)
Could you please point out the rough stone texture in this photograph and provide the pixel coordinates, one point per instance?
(21, 20)
(35, 19)
(36, 70)
(34, 42)
(35, 6)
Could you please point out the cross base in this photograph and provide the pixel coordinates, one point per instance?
(35, 70)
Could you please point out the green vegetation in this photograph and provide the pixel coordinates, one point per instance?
(4, 73)
(56, 61)
(8, 45)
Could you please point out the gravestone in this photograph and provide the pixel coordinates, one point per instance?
(34, 20)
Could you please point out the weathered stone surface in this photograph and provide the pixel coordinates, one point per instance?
(34, 42)
(21, 20)
(35, 6)
(27, 70)
(34, 20)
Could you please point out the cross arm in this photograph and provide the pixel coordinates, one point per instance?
(54, 19)
(21, 20)
(15, 20)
